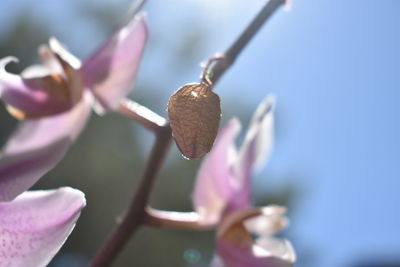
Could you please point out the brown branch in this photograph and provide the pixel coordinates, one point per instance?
(236, 48)
(133, 219)
(146, 117)
(174, 219)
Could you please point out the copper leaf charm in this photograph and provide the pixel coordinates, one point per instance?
(194, 112)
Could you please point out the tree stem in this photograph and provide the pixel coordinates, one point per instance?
(175, 219)
(146, 117)
(134, 217)
(236, 48)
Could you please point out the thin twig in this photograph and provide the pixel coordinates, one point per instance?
(133, 218)
(174, 219)
(141, 114)
(234, 50)
(204, 77)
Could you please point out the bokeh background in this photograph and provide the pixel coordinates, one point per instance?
(334, 66)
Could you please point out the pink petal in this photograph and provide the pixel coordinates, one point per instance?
(35, 225)
(37, 146)
(256, 148)
(33, 96)
(236, 247)
(111, 70)
(18, 172)
(214, 185)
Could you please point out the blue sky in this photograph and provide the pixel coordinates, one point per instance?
(334, 67)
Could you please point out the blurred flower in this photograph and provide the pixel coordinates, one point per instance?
(223, 195)
(57, 97)
(34, 226)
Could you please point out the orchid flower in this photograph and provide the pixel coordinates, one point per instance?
(34, 226)
(223, 194)
(56, 99)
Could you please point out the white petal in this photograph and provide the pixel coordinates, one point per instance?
(273, 247)
(270, 222)
(258, 142)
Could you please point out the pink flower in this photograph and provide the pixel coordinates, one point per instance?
(223, 195)
(56, 98)
(34, 226)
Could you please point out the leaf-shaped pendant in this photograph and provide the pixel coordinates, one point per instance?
(194, 112)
